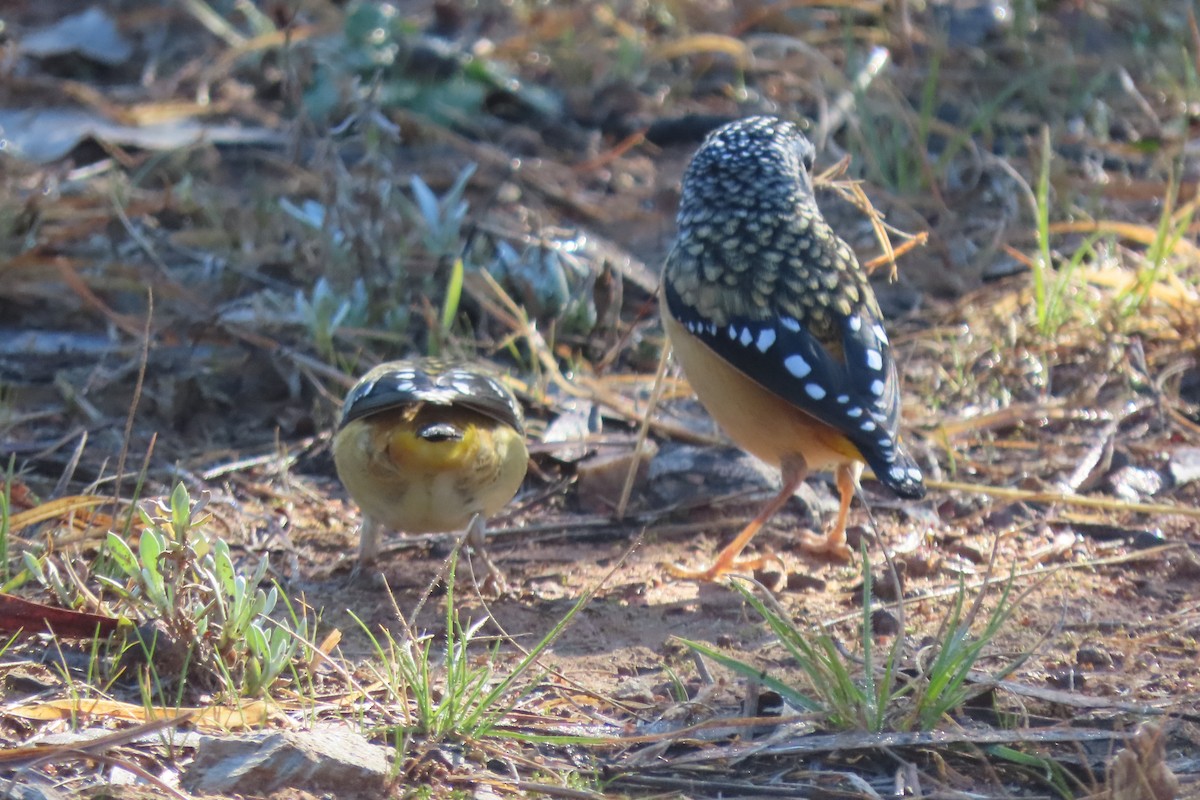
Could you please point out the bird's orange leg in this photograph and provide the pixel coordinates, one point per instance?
(834, 542)
(794, 472)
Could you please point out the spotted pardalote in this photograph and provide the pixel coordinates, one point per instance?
(776, 326)
(425, 445)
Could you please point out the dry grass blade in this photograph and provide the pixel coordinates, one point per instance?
(643, 429)
(1078, 501)
(706, 43)
(856, 741)
(214, 718)
(56, 509)
(87, 748)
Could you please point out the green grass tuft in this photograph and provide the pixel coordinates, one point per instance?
(867, 692)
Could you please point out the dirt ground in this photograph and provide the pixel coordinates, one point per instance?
(1101, 612)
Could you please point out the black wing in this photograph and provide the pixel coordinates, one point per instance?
(858, 395)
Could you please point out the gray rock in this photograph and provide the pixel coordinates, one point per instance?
(1185, 465)
(680, 473)
(1131, 483)
(329, 758)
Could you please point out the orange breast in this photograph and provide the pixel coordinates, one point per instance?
(758, 420)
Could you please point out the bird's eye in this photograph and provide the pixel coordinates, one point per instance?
(808, 156)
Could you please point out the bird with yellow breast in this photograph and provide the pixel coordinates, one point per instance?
(426, 445)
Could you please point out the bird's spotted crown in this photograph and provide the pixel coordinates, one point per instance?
(435, 382)
(759, 163)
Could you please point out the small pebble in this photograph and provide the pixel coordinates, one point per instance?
(1093, 657)
(884, 623)
(1067, 678)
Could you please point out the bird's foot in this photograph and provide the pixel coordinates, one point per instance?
(726, 566)
(494, 583)
(831, 545)
(366, 571)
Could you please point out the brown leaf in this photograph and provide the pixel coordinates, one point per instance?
(1140, 771)
(17, 614)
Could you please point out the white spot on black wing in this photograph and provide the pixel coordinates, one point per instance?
(796, 365)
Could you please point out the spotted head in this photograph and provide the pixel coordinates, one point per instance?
(758, 164)
(429, 381)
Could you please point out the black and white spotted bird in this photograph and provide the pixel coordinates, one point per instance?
(426, 446)
(776, 327)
